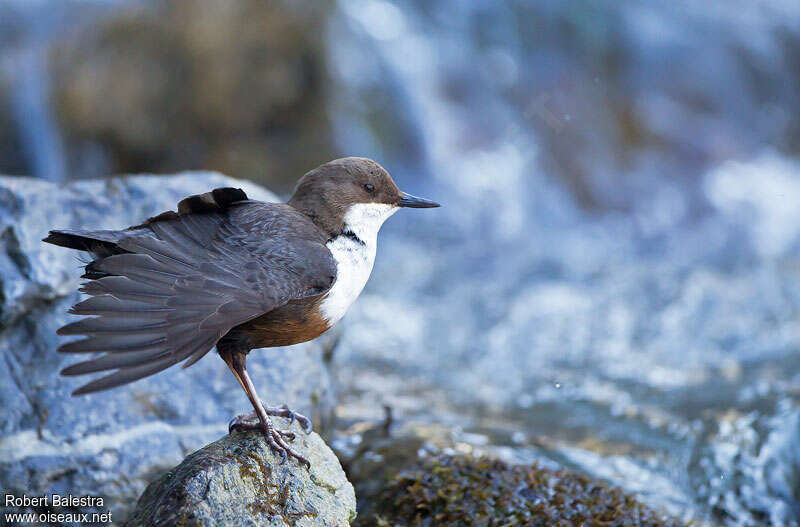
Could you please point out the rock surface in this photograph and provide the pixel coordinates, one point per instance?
(239, 481)
(110, 444)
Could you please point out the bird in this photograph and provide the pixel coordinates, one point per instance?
(231, 273)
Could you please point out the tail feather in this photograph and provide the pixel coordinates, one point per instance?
(101, 242)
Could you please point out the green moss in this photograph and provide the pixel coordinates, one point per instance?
(467, 491)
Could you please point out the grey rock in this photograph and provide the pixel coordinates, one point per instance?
(111, 444)
(240, 481)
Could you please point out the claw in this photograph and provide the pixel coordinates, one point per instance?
(299, 458)
(288, 435)
(275, 437)
(276, 442)
(291, 414)
(243, 422)
(284, 455)
(284, 411)
(306, 425)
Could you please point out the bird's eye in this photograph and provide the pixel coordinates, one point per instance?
(369, 187)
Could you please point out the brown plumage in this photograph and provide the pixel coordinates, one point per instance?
(222, 271)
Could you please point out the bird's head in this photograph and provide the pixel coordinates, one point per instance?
(353, 194)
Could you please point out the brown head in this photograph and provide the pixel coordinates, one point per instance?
(352, 193)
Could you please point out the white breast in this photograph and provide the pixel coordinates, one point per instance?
(354, 258)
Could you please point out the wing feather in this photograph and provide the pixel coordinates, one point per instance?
(174, 286)
(127, 374)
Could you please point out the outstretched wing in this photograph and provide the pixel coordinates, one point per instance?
(171, 288)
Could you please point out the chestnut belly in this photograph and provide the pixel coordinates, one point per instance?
(295, 322)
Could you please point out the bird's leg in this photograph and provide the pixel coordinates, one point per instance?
(245, 421)
(236, 362)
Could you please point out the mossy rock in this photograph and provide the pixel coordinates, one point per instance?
(468, 491)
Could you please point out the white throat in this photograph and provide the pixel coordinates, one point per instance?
(354, 252)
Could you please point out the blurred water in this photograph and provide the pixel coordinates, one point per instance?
(656, 347)
(28, 30)
(26, 67)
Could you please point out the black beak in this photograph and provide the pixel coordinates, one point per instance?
(407, 200)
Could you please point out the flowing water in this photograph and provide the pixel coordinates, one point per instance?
(631, 311)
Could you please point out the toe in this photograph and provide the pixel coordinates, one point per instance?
(284, 455)
(277, 447)
(300, 458)
(306, 425)
(242, 422)
(288, 435)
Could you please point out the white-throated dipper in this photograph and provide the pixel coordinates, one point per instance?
(230, 272)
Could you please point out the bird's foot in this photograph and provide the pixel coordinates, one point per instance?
(250, 421)
(284, 411)
(276, 443)
(275, 437)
